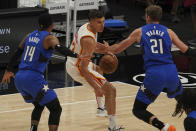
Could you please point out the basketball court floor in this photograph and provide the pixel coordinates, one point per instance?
(79, 109)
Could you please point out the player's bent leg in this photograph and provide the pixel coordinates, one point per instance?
(35, 116)
(110, 97)
(143, 99)
(101, 111)
(110, 102)
(55, 112)
(139, 110)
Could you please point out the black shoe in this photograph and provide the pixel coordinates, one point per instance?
(115, 129)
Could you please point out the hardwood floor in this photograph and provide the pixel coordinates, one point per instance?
(79, 109)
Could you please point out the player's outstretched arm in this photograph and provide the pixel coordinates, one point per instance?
(132, 38)
(183, 47)
(53, 42)
(176, 41)
(13, 62)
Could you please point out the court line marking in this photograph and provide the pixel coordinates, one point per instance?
(72, 87)
(64, 104)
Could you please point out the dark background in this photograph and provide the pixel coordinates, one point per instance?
(20, 22)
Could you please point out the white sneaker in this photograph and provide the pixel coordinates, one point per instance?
(101, 112)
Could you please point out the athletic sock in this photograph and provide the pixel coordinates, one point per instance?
(158, 124)
(112, 122)
(100, 102)
(33, 128)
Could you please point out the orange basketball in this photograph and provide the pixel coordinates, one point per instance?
(108, 63)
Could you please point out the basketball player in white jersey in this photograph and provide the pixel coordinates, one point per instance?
(82, 70)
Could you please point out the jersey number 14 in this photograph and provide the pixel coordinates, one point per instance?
(29, 52)
(155, 44)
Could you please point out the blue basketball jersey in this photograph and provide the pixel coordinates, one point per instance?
(192, 114)
(156, 43)
(33, 50)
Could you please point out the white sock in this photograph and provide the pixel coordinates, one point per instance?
(100, 102)
(112, 122)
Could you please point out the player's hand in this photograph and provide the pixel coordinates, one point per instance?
(6, 77)
(107, 50)
(105, 44)
(102, 47)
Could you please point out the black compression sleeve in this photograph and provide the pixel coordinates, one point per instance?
(191, 52)
(190, 124)
(14, 58)
(65, 51)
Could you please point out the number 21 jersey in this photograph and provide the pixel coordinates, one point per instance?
(156, 44)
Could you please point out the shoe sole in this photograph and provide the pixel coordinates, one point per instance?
(98, 115)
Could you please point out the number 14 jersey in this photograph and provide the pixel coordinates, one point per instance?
(35, 57)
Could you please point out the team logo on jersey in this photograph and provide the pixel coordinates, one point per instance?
(187, 79)
(45, 89)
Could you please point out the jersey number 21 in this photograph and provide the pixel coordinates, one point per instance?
(155, 44)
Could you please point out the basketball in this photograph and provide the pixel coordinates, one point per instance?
(108, 63)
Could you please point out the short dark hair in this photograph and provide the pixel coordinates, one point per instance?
(93, 14)
(45, 20)
(155, 12)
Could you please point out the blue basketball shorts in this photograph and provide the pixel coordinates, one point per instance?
(30, 83)
(158, 78)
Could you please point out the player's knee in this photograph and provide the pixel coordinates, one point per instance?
(136, 112)
(112, 90)
(139, 109)
(55, 112)
(37, 111)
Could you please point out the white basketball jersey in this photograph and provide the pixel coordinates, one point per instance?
(72, 64)
(82, 32)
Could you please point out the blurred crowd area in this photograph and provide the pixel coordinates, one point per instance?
(180, 15)
(177, 13)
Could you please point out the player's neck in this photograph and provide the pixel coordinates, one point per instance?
(48, 30)
(91, 29)
(153, 22)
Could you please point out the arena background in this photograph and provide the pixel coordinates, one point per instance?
(15, 23)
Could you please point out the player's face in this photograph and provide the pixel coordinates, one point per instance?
(98, 24)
